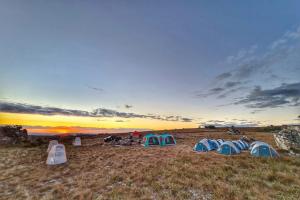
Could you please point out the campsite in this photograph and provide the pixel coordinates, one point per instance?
(149, 100)
(97, 170)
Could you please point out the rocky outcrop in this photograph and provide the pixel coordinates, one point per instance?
(289, 138)
(12, 134)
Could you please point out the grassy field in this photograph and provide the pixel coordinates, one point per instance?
(98, 171)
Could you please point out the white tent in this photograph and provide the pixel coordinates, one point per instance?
(77, 141)
(51, 143)
(57, 155)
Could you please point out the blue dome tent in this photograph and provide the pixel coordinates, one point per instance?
(220, 141)
(238, 145)
(150, 140)
(242, 144)
(213, 144)
(203, 146)
(245, 144)
(166, 140)
(263, 150)
(254, 143)
(228, 148)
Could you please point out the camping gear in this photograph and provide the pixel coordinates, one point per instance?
(112, 138)
(166, 140)
(136, 134)
(233, 131)
(150, 140)
(228, 148)
(77, 141)
(51, 143)
(57, 155)
(263, 150)
(203, 146)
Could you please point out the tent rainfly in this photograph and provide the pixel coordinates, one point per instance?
(57, 155)
(220, 141)
(166, 140)
(51, 143)
(150, 140)
(254, 143)
(246, 145)
(263, 150)
(238, 145)
(213, 144)
(228, 148)
(203, 146)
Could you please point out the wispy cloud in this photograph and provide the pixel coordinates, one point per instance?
(233, 122)
(251, 65)
(95, 88)
(286, 94)
(12, 107)
(128, 106)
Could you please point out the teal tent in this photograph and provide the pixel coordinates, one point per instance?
(228, 148)
(167, 139)
(151, 140)
(263, 150)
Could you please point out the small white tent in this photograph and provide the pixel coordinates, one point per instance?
(57, 155)
(51, 143)
(77, 141)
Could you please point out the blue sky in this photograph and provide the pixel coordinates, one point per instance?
(160, 57)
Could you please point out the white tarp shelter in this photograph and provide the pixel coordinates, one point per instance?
(57, 155)
(77, 141)
(51, 143)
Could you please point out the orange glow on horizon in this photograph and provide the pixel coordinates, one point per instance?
(71, 124)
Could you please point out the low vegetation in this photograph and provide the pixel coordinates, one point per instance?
(101, 171)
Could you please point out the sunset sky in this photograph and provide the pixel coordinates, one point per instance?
(112, 66)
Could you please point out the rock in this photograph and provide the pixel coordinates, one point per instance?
(288, 138)
(12, 134)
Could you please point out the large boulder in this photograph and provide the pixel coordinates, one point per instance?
(288, 138)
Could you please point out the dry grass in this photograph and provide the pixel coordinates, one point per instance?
(106, 172)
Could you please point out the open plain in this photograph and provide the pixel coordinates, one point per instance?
(101, 171)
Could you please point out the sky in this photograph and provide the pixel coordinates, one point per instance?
(105, 66)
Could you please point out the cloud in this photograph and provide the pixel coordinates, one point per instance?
(256, 111)
(184, 119)
(280, 58)
(127, 106)
(12, 107)
(223, 91)
(120, 120)
(248, 63)
(242, 54)
(286, 94)
(231, 84)
(224, 76)
(95, 88)
(233, 122)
